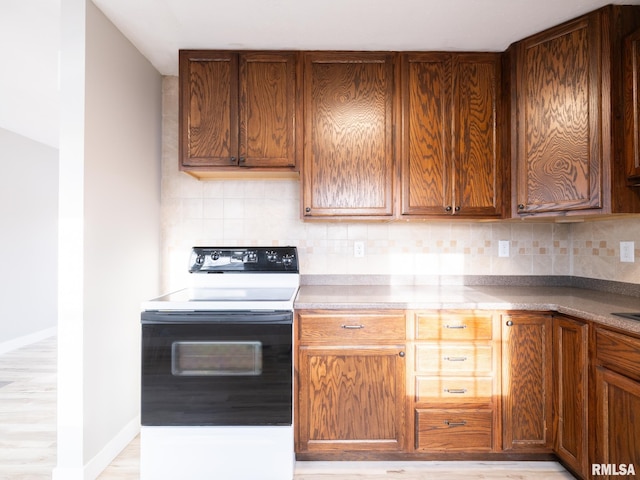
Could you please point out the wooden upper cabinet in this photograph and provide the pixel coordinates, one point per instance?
(632, 106)
(237, 111)
(348, 124)
(559, 97)
(451, 144)
(568, 119)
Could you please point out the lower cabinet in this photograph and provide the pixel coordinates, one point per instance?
(392, 384)
(617, 404)
(350, 384)
(526, 382)
(570, 392)
(454, 381)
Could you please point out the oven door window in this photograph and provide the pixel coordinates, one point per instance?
(211, 358)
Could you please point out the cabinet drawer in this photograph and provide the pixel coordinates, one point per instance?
(319, 327)
(618, 352)
(453, 326)
(454, 430)
(454, 389)
(449, 359)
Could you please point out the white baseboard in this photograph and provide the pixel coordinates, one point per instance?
(112, 449)
(97, 464)
(25, 340)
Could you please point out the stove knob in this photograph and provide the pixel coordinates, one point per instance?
(215, 256)
(200, 259)
(272, 256)
(287, 260)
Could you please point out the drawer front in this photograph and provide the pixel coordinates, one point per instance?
(435, 326)
(454, 389)
(619, 352)
(454, 430)
(321, 327)
(452, 359)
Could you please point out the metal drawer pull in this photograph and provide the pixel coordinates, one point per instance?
(455, 390)
(455, 326)
(352, 327)
(455, 424)
(455, 359)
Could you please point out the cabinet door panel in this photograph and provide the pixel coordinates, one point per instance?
(351, 398)
(618, 435)
(426, 93)
(348, 159)
(478, 178)
(632, 106)
(526, 380)
(571, 365)
(208, 109)
(558, 100)
(267, 110)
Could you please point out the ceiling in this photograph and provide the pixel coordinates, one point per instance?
(30, 31)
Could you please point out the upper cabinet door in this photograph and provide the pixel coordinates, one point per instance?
(208, 109)
(451, 155)
(559, 96)
(632, 106)
(348, 119)
(426, 137)
(478, 164)
(238, 111)
(267, 110)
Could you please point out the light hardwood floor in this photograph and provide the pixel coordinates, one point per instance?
(28, 437)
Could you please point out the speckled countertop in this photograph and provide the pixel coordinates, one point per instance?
(583, 303)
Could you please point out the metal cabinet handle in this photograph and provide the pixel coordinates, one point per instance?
(520, 206)
(401, 354)
(308, 209)
(509, 323)
(352, 327)
(232, 160)
(242, 160)
(455, 390)
(456, 327)
(457, 209)
(455, 359)
(448, 208)
(455, 424)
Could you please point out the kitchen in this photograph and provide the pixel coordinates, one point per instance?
(192, 212)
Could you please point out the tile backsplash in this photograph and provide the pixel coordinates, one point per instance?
(267, 212)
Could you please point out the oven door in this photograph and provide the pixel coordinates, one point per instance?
(216, 368)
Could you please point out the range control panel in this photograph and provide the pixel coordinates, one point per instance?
(243, 259)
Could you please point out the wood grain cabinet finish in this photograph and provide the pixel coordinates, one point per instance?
(617, 399)
(570, 392)
(238, 111)
(348, 166)
(451, 141)
(527, 382)
(568, 130)
(350, 395)
(455, 379)
(632, 106)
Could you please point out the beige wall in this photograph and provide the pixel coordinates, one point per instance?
(236, 212)
(109, 216)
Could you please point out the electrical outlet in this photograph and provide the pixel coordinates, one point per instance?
(358, 249)
(627, 252)
(503, 248)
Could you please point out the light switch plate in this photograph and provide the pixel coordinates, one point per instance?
(627, 252)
